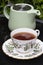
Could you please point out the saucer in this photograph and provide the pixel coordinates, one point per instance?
(8, 49)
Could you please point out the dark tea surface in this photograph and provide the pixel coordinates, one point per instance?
(24, 36)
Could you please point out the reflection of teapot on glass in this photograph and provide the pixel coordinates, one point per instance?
(24, 17)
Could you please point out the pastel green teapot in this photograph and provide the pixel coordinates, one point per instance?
(21, 19)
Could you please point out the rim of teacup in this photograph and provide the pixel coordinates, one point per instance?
(23, 30)
(21, 4)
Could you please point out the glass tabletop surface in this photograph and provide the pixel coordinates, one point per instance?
(5, 34)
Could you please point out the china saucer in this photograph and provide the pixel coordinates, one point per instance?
(8, 49)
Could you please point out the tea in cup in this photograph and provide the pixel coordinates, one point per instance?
(24, 39)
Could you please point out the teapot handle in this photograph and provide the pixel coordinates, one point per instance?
(5, 11)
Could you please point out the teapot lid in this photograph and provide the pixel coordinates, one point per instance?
(22, 7)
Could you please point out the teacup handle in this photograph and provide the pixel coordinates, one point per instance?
(38, 32)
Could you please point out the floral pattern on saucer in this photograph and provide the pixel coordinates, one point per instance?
(11, 51)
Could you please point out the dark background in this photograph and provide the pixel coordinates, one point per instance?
(4, 35)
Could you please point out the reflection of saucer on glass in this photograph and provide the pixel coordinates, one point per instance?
(8, 49)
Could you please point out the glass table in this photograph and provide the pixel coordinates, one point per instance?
(4, 35)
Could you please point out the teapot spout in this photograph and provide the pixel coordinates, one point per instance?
(37, 12)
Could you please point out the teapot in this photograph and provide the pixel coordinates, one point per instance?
(19, 18)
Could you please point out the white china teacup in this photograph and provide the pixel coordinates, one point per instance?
(24, 46)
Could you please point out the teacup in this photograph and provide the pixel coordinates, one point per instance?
(25, 43)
